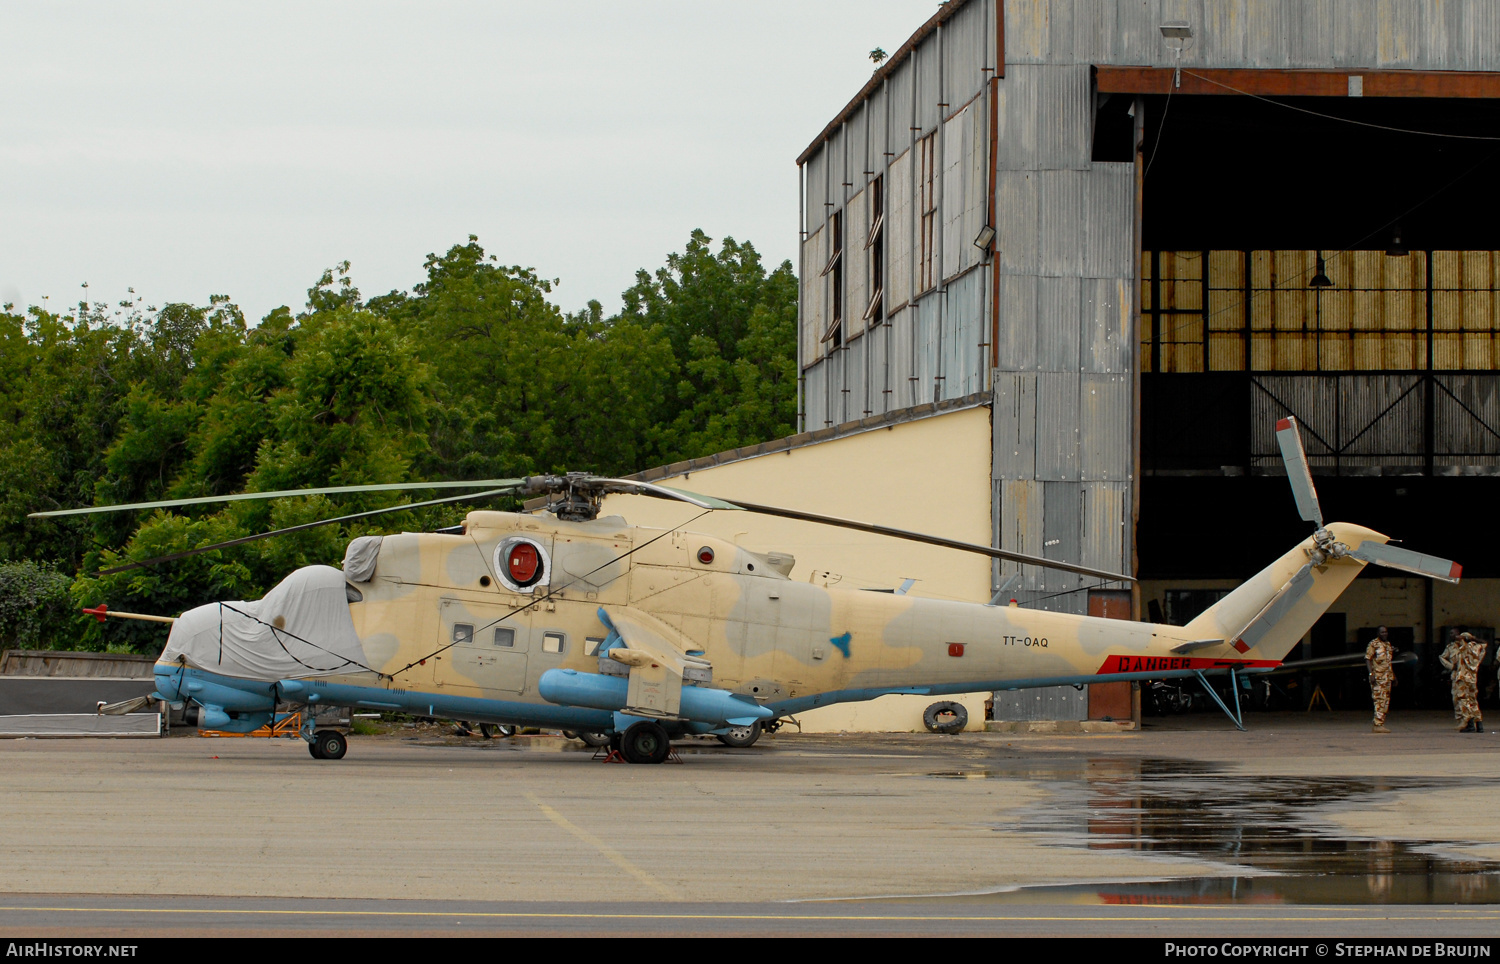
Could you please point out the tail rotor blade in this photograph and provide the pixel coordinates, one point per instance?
(1394, 557)
(1289, 437)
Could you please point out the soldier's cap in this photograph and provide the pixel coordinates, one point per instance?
(1468, 636)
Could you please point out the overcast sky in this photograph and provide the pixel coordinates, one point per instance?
(207, 148)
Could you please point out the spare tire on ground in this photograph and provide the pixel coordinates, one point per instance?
(946, 717)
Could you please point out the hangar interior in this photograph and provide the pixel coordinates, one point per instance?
(1310, 256)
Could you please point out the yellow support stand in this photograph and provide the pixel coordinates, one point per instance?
(1317, 695)
(288, 726)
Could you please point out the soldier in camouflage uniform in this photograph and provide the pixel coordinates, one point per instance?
(1378, 657)
(1462, 657)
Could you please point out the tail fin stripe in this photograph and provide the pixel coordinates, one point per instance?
(1275, 610)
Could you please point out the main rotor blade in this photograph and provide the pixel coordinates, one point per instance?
(628, 487)
(284, 493)
(172, 557)
(934, 541)
(1289, 437)
(1394, 557)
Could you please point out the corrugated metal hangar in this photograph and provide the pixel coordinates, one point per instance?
(1151, 229)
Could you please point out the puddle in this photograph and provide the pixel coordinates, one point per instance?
(1270, 826)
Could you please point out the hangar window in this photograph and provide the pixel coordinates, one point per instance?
(875, 242)
(926, 173)
(554, 642)
(505, 637)
(835, 273)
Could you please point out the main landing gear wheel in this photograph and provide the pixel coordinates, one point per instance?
(645, 742)
(328, 745)
(594, 740)
(741, 736)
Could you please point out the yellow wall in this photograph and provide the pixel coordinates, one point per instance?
(931, 475)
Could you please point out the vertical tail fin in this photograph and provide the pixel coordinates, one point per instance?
(1271, 612)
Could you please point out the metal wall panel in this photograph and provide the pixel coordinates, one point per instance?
(1018, 118)
(815, 175)
(875, 141)
(1057, 426)
(1042, 703)
(854, 162)
(956, 145)
(1013, 424)
(1108, 221)
(856, 261)
(1466, 420)
(1060, 210)
(1016, 201)
(815, 397)
(1017, 342)
(965, 329)
(899, 231)
(856, 366)
(927, 94)
(900, 94)
(1019, 505)
(1105, 525)
(965, 52)
(1065, 105)
(1057, 322)
(813, 287)
(879, 350)
(1028, 32)
(1104, 436)
(1062, 539)
(1108, 306)
(903, 394)
(836, 168)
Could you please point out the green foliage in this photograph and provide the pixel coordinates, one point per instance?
(35, 609)
(474, 373)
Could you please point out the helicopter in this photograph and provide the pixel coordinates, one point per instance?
(566, 619)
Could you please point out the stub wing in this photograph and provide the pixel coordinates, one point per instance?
(659, 659)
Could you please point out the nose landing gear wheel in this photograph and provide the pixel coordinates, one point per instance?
(328, 745)
(645, 742)
(741, 736)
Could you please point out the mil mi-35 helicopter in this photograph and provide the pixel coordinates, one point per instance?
(566, 620)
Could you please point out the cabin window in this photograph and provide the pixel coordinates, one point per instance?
(553, 642)
(463, 633)
(591, 644)
(505, 637)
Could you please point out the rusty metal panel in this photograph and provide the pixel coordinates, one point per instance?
(1060, 222)
(1019, 505)
(1105, 438)
(1107, 314)
(1016, 346)
(1041, 703)
(1014, 426)
(1028, 32)
(1399, 32)
(1017, 197)
(1106, 509)
(1058, 321)
(1057, 426)
(1108, 221)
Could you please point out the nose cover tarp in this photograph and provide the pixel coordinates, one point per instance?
(301, 628)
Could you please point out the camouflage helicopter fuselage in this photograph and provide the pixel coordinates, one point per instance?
(621, 623)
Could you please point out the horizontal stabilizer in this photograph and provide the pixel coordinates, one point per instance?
(1394, 557)
(1196, 645)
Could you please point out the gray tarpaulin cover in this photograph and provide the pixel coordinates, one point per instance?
(301, 628)
(359, 558)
